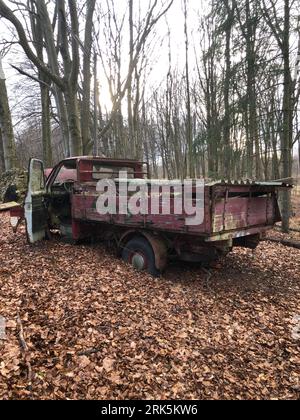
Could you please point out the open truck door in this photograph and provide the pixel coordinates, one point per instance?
(35, 209)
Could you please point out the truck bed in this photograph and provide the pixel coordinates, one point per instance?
(230, 211)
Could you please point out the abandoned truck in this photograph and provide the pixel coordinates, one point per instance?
(235, 214)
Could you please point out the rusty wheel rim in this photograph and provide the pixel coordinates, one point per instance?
(139, 261)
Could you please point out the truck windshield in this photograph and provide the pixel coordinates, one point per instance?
(66, 173)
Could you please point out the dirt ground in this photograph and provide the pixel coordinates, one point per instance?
(95, 329)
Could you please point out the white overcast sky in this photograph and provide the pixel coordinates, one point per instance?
(175, 20)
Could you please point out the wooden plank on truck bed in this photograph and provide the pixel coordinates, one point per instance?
(8, 206)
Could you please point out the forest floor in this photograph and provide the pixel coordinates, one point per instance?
(95, 329)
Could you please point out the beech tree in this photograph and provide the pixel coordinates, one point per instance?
(66, 81)
(7, 140)
(281, 33)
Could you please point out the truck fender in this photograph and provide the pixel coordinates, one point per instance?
(157, 243)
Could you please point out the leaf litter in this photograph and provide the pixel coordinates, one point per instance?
(96, 329)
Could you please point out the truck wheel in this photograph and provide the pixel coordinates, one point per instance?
(139, 253)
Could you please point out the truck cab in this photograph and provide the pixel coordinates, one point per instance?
(48, 203)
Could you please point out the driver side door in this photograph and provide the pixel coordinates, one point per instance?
(35, 208)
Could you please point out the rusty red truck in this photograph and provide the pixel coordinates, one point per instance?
(234, 214)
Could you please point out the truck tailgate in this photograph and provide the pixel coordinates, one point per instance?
(241, 207)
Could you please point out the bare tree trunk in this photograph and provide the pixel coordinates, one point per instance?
(96, 104)
(189, 129)
(46, 126)
(296, 88)
(287, 138)
(63, 119)
(86, 100)
(129, 89)
(248, 27)
(74, 121)
(6, 127)
(250, 36)
(299, 151)
(2, 164)
(136, 118)
(38, 40)
(227, 82)
(54, 65)
(282, 36)
(272, 124)
(71, 70)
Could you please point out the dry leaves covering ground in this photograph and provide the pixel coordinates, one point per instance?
(96, 329)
